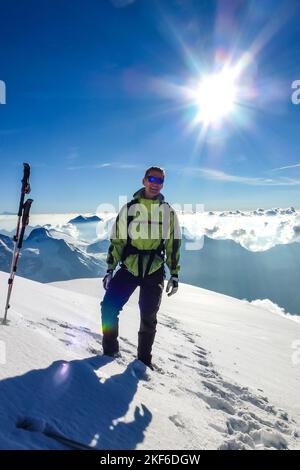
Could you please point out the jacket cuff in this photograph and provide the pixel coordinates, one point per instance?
(110, 267)
(174, 273)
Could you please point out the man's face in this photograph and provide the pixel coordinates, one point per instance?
(153, 188)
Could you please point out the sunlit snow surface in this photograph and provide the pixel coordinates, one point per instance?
(228, 379)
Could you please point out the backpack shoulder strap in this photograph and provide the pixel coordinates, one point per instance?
(128, 242)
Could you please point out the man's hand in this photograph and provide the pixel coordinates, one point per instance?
(107, 278)
(173, 285)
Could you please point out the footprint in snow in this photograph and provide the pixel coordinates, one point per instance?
(177, 421)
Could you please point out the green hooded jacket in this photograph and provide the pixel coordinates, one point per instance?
(148, 221)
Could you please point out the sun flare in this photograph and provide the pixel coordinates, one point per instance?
(216, 96)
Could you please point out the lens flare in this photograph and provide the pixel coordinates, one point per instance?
(62, 374)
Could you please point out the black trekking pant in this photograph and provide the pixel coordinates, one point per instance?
(121, 287)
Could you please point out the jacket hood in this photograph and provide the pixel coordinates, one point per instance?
(141, 194)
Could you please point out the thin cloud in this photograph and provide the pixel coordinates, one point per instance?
(98, 166)
(127, 166)
(207, 173)
(89, 167)
(217, 175)
(295, 165)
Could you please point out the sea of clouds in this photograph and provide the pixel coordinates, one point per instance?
(257, 230)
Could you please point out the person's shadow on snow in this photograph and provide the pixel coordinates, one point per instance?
(72, 400)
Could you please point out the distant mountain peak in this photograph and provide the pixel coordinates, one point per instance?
(83, 220)
(39, 234)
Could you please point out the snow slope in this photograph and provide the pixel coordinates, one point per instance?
(228, 379)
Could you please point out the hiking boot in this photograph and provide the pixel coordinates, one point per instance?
(147, 362)
(115, 354)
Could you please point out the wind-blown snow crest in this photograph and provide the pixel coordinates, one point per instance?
(270, 306)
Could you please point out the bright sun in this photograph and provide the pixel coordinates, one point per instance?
(216, 96)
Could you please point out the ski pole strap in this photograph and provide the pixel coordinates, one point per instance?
(25, 189)
(26, 210)
(25, 220)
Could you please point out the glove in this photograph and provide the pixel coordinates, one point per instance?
(107, 278)
(173, 285)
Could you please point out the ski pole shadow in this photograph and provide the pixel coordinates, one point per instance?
(71, 400)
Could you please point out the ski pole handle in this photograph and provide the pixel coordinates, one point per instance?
(25, 180)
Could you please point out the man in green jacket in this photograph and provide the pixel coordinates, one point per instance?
(145, 235)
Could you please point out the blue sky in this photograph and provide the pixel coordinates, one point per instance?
(92, 101)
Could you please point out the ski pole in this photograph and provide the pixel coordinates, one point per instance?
(19, 244)
(25, 189)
